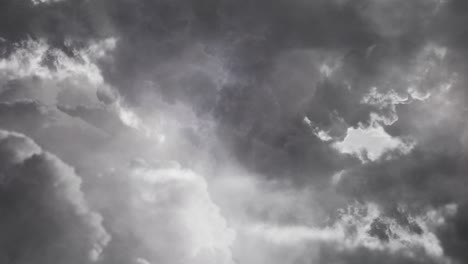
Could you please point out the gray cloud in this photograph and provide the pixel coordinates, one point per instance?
(45, 217)
(281, 114)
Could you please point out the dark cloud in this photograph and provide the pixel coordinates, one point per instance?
(45, 217)
(412, 179)
(56, 21)
(454, 235)
(268, 91)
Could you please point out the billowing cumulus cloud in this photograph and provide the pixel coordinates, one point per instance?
(45, 217)
(222, 131)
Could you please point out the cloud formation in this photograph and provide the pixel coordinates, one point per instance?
(325, 131)
(45, 217)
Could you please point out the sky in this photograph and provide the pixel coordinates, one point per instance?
(233, 131)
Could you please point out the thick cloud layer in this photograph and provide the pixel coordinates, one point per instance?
(222, 131)
(45, 218)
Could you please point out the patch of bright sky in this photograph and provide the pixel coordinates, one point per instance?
(370, 143)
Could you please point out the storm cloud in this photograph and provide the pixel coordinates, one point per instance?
(45, 217)
(222, 131)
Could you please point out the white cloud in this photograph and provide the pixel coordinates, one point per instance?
(295, 234)
(385, 102)
(142, 261)
(352, 230)
(174, 204)
(370, 143)
(29, 59)
(37, 2)
(321, 134)
(288, 227)
(401, 238)
(49, 75)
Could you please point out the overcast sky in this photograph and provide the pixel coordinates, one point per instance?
(233, 131)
